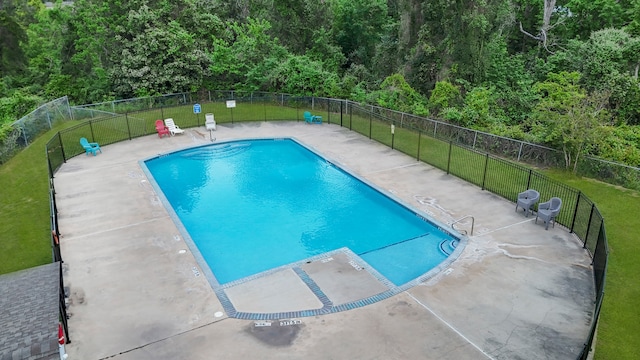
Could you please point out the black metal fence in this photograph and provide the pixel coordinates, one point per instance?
(449, 148)
(57, 257)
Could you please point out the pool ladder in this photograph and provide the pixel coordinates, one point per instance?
(473, 220)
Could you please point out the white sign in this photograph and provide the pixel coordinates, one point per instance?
(231, 103)
(290, 322)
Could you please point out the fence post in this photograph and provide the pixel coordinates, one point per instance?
(586, 236)
(575, 210)
(486, 167)
(126, 119)
(64, 157)
(520, 151)
(419, 138)
(370, 122)
(328, 111)
(93, 137)
(49, 166)
(68, 108)
(393, 134)
(341, 110)
(449, 157)
(351, 118)
(24, 134)
(63, 308)
(529, 179)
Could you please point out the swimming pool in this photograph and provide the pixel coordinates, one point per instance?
(253, 205)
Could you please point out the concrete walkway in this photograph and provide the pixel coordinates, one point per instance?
(137, 291)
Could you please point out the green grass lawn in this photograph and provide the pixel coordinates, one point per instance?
(25, 230)
(25, 220)
(619, 328)
(24, 211)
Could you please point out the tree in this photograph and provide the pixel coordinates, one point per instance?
(588, 16)
(12, 59)
(45, 49)
(386, 60)
(444, 95)
(634, 15)
(543, 35)
(325, 50)
(157, 56)
(296, 22)
(298, 74)
(479, 106)
(453, 41)
(606, 53)
(243, 57)
(358, 26)
(567, 117)
(89, 46)
(411, 19)
(510, 80)
(620, 144)
(609, 62)
(395, 93)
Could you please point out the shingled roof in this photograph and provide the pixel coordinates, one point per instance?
(29, 313)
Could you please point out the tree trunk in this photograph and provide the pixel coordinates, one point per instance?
(543, 34)
(549, 6)
(411, 21)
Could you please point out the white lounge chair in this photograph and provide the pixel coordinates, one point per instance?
(173, 128)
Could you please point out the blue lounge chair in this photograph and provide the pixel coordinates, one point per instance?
(312, 119)
(89, 147)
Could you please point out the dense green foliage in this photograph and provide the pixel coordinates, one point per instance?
(566, 116)
(477, 63)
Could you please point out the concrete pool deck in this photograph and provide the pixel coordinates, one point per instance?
(137, 292)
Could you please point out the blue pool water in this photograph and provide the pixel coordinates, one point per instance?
(250, 206)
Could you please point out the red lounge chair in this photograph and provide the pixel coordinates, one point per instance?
(162, 129)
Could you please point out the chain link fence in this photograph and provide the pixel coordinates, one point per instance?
(32, 125)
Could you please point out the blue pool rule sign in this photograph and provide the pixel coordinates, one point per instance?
(196, 110)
